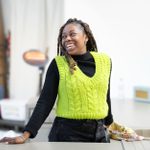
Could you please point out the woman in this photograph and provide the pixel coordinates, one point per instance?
(81, 78)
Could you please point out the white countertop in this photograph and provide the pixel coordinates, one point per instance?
(116, 145)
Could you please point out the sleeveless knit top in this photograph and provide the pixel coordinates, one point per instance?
(80, 96)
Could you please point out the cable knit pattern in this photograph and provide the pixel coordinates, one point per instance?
(80, 96)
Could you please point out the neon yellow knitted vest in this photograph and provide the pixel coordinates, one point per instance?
(80, 96)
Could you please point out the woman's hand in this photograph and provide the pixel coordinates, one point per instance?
(107, 126)
(16, 140)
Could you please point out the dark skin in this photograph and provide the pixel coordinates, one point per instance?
(74, 39)
(74, 42)
(16, 140)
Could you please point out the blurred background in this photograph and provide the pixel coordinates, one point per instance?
(121, 29)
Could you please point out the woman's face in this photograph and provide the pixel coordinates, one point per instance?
(74, 39)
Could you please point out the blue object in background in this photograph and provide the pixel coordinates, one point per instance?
(1, 92)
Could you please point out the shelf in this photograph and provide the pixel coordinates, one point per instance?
(12, 122)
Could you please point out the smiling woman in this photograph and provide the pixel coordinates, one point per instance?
(74, 39)
(80, 79)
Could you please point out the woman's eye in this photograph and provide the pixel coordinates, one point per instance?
(70, 35)
(63, 36)
(73, 34)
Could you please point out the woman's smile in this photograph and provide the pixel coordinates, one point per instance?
(69, 46)
(74, 39)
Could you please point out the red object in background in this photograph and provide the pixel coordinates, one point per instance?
(7, 59)
(8, 39)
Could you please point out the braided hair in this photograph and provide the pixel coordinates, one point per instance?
(90, 45)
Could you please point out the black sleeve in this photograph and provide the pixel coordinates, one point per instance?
(109, 119)
(46, 100)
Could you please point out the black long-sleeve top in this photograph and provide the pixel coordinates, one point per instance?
(48, 95)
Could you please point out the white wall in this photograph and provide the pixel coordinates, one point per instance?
(122, 30)
(6, 9)
(34, 24)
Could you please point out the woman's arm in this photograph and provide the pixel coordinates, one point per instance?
(43, 107)
(109, 119)
(46, 100)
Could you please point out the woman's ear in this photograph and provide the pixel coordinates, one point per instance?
(86, 39)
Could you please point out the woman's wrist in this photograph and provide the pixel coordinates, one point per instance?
(26, 135)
